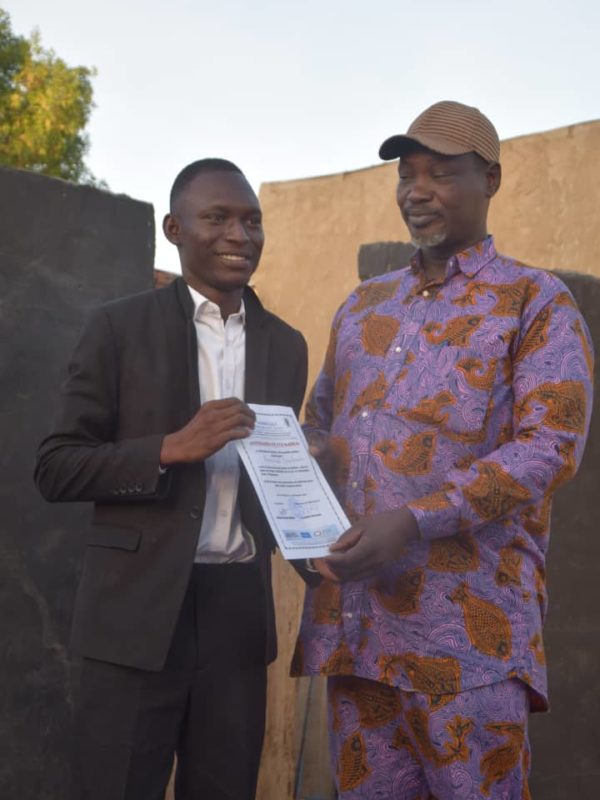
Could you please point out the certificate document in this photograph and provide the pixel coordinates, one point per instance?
(304, 514)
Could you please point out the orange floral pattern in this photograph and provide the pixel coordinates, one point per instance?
(384, 737)
(469, 404)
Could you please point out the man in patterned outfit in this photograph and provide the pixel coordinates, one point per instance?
(454, 399)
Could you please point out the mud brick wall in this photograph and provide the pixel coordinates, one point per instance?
(544, 215)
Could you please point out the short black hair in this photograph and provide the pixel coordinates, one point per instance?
(187, 174)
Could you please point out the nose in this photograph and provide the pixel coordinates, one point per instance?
(236, 231)
(417, 189)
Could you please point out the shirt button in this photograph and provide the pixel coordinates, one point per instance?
(365, 414)
(354, 484)
(398, 349)
(425, 293)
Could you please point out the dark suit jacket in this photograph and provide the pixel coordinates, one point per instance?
(132, 379)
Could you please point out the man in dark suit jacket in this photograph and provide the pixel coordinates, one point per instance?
(174, 614)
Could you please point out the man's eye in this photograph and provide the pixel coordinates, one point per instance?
(255, 222)
(404, 178)
(443, 175)
(214, 217)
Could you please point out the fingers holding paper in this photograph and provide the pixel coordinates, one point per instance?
(369, 545)
(216, 423)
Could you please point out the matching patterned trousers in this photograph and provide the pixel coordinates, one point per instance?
(388, 744)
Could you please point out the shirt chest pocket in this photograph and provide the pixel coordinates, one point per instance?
(454, 392)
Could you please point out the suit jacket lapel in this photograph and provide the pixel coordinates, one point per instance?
(181, 324)
(257, 349)
(181, 334)
(255, 391)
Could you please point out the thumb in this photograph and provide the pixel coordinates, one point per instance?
(325, 570)
(347, 540)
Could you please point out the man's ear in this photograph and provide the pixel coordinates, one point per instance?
(493, 175)
(171, 228)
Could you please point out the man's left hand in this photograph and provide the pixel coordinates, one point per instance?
(369, 545)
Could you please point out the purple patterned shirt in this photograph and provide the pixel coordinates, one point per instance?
(468, 400)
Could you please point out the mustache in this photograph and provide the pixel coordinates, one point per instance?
(420, 211)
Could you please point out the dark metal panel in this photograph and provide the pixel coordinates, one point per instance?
(62, 248)
(565, 749)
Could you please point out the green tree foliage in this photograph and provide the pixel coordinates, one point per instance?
(44, 107)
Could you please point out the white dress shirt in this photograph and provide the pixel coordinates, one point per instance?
(221, 368)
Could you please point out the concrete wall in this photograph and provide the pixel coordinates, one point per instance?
(62, 248)
(546, 214)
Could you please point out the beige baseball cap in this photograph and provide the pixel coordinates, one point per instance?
(449, 128)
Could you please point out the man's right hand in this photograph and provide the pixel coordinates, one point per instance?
(214, 424)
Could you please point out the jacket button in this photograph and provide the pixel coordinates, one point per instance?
(195, 513)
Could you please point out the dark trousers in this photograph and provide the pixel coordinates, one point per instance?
(207, 705)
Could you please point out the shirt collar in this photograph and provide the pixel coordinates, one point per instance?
(205, 307)
(469, 261)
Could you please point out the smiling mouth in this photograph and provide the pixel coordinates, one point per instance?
(421, 220)
(235, 258)
(421, 215)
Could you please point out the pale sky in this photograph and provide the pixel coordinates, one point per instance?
(296, 89)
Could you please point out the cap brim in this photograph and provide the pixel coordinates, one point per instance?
(397, 146)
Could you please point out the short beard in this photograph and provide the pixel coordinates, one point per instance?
(428, 240)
